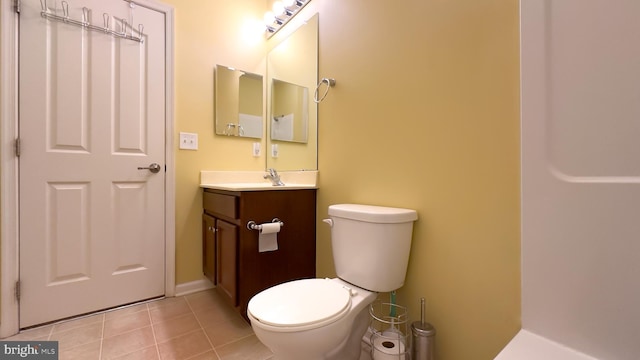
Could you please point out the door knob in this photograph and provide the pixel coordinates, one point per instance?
(154, 168)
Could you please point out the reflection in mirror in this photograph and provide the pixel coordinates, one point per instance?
(290, 111)
(292, 69)
(238, 103)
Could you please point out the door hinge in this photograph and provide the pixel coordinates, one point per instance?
(17, 144)
(17, 6)
(18, 290)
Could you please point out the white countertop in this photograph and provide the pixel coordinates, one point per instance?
(255, 181)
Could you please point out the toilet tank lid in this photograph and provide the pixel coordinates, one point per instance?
(371, 213)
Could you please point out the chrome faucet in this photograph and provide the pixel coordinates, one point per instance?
(274, 177)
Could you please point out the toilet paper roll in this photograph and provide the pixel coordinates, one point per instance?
(268, 237)
(385, 348)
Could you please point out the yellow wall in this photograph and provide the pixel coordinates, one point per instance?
(208, 33)
(425, 115)
(226, 98)
(251, 94)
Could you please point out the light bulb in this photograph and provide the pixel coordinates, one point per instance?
(288, 3)
(269, 18)
(278, 8)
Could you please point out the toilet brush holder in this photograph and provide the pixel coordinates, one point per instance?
(423, 337)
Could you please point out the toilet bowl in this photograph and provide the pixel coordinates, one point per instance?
(314, 319)
(311, 319)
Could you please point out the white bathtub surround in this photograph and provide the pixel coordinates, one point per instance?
(254, 180)
(529, 346)
(282, 128)
(580, 183)
(251, 125)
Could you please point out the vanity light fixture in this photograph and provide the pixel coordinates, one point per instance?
(281, 13)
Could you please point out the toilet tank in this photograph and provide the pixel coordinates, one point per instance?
(371, 244)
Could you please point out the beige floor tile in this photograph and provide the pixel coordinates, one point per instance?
(39, 333)
(126, 343)
(185, 346)
(175, 327)
(169, 310)
(76, 323)
(27, 338)
(209, 355)
(78, 336)
(89, 351)
(114, 314)
(183, 327)
(204, 300)
(125, 323)
(225, 332)
(150, 353)
(249, 348)
(166, 302)
(215, 315)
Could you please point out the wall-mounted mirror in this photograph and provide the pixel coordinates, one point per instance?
(238, 103)
(292, 75)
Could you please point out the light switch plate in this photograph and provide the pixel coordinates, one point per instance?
(274, 150)
(256, 149)
(188, 141)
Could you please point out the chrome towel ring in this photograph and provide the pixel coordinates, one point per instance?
(330, 83)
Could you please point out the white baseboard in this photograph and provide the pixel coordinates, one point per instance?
(193, 286)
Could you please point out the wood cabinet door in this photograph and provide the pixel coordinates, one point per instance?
(209, 247)
(226, 260)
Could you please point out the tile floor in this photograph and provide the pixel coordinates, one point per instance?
(199, 326)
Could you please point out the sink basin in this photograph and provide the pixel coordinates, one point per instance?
(254, 181)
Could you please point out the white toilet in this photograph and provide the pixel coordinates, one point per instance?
(315, 319)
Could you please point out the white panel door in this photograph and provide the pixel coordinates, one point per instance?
(581, 174)
(91, 112)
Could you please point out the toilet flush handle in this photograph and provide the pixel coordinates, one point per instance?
(328, 221)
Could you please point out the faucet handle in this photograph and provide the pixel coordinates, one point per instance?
(273, 175)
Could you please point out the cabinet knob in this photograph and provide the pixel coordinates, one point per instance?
(212, 229)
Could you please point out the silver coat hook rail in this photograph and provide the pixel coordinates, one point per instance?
(330, 83)
(86, 24)
(252, 225)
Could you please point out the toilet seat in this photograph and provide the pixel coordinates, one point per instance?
(301, 304)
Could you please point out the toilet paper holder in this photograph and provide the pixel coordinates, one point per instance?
(252, 225)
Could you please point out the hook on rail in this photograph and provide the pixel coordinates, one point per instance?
(85, 23)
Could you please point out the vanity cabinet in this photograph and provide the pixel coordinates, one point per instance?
(227, 260)
(209, 246)
(231, 256)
